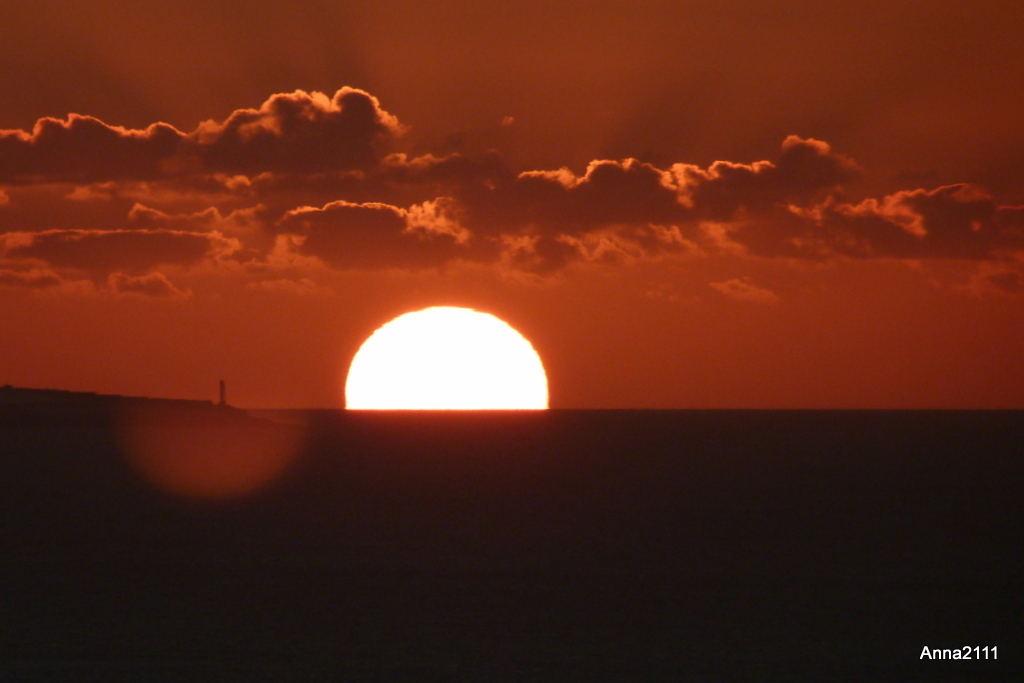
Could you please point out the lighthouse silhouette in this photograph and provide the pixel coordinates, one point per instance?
(223, 391)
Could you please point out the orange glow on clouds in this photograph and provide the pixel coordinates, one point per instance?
(445, 358)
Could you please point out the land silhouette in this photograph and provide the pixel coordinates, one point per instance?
(547, 545)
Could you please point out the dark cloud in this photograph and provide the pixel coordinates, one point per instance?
(1009, 281)
(131, 250)
(152, 285)
(374, 235)
(744, 289)
(148, 217)
(251, 221)
(85, 149)
(560, 202)
(483, 168)
(1003, 277)
(949, 222)
(627, 208)
(545, 219)
(297, 132)
(31, 279)
(807, 170)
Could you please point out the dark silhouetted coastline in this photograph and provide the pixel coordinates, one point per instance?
(558, 545)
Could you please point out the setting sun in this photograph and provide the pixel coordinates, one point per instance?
(445, 358)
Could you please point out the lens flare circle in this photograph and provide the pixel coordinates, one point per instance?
(446, 358)
(205, 452)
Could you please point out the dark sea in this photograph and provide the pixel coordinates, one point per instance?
(534, 546)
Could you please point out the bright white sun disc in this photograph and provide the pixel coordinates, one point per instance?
(446, 358)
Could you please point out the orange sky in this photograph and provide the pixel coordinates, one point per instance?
(682, 204)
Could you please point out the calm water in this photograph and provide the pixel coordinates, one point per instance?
(566, 545)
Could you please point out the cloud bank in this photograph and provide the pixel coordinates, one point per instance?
(318, 177)
(296, 132)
